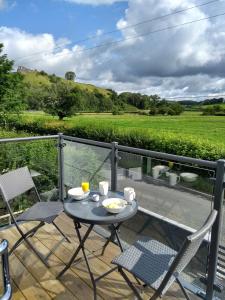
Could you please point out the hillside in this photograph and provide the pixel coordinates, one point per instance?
(41, 90)
(38, 79)
(90, 98)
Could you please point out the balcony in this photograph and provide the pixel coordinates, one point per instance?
(167, 212)
(33, 280)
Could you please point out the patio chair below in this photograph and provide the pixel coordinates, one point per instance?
(158, 265)
(16, 183)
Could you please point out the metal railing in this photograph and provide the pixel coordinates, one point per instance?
(218, 194)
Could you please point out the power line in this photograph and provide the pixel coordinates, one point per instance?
(146, 21)
(140, 35)
(125, 27)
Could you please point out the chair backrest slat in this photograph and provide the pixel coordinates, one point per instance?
(190, 247)
(15, 183)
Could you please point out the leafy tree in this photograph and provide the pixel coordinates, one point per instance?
(177, 108)
(61, 100)
(70, 75)
(11, 88)
(153, 111)
(214, 110)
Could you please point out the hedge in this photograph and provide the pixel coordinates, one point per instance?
(140, 138)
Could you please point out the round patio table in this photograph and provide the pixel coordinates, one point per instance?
(93, 213)
(90, 212)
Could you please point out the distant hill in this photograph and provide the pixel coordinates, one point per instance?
(91, 97)
(38, 79)
(192, 105)
(188, 102)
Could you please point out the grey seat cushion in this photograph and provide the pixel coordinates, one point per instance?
(148, 259)
(42, 211)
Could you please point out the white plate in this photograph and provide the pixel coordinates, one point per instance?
(120, 203)
(78, 193)
(189, 177)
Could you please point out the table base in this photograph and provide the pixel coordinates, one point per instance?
(113, 235)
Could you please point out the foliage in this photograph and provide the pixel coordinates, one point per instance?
(214, 110)
(152, 102)
(61, 100)
(117, 111)
(38, 88)
(91, 98)
(70, 75)
(11, 88)
(192, 135)
(213, 101)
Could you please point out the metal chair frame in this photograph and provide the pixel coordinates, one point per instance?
(5, 271)
(178, 263)
(24, 236)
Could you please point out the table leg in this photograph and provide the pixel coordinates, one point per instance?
(114, 234)
(112, 237)
(81, 246)
(85, 256)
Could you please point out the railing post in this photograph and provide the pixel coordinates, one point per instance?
(61, 166)
(114, 163)
(216, 229)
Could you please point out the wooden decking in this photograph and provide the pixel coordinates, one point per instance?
(31, 279)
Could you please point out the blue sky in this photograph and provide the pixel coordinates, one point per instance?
(61, 18)
(184, 61)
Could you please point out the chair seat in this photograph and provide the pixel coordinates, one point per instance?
(42, 211)
(148, 259)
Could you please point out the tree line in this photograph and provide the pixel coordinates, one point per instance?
(65, 98)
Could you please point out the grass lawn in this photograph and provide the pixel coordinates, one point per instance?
(207, 128)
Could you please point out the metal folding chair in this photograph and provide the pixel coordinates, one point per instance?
(5, 271)
(16, 183)
(158, 265)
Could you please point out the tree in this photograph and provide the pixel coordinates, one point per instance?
(61, 100)
(70, 75)
(177, 108)
(11, 88)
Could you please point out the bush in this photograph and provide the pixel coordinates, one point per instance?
(214, 110)
(116, 111)
(162, 142)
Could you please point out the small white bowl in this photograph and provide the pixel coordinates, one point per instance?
(189, 177)
(120, 205)
(78, 193)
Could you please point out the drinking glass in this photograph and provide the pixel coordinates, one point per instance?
(103, 188)
(85, 186)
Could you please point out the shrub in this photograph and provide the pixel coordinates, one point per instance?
(116, 111)
(162, 142)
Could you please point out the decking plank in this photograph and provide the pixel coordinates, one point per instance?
(65, 251)
(31, 279)
(45, 241)
(40, 272)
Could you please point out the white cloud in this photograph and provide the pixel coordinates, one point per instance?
(94, 2)
(187, 60)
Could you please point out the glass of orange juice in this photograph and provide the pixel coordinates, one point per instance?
(85, 186)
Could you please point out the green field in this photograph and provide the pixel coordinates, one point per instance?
(189, 124)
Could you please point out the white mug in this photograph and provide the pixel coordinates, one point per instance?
(129, 194)
(173, 179)
(155, 172)
(103, 188)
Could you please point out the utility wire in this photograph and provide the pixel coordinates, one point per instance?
(139, 35)
(146, 21)
(125, 27)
